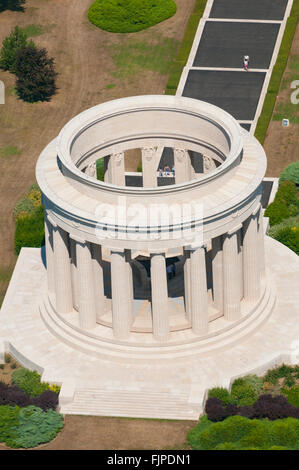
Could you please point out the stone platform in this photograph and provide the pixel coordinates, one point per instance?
(164, 388)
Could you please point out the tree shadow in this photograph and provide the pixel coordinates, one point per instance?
(13, 5)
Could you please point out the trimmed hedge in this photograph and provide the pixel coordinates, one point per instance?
(290, 173)
(276, 76)
(239, 433)
(184, 51)
(29, 220)
(128, 16)
(285, 204)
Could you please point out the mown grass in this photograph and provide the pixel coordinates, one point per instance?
(276, 76)
(33, 30)
(9, 151)
(185, 48)
(132, 57)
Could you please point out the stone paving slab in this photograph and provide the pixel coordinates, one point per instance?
(249, 9)
(223, 44)
(236, 92)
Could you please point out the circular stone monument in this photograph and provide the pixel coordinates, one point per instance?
(167, 268)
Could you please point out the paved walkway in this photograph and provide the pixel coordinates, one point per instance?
(228, 30)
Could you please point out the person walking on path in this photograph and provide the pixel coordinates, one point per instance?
(246, 62)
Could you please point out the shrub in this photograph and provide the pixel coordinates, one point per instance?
(30, 230)
(290, 173)
(215, 409)
(220, 393)
(127, 16)
(289, 236)
(1, 366)
(243, 394)
(14, 396)
(289, 381)
(7, 358)
(8, 420)
(10, 47)
(29, 382)
(292, 395)
(35, 74)
(285, 204)
(238, 433)
(36, 427)
(13, 365)
(254, 381)
(13, 5)
(47, 400)
(274, 407)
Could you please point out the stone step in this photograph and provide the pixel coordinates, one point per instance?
(143, 404)
(136, 352)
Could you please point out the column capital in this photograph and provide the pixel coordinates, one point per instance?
(77, 239)
(50, 220)
(234, 230)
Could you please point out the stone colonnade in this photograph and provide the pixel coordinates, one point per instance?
(75, 277)
(114, 167)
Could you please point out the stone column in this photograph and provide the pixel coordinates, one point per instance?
(187, 284)
(98, 275)
(261, 245)
(199, 292)
(251, 266)
(159, 297)
(130, 284)
(118, 168)
(217, 270)
(86, 295)
(149, 167)
(107, 170)
(182, 165)
(74, 272)
(240, 256)
(121, 318)
(231, 276)
(63, 282)
(49, 255)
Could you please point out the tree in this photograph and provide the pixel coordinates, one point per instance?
(35, 75)
(10, 47)
(13, 5)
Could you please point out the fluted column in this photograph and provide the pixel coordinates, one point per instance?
(49, 255)
(118, 168)
(231, 276)
(199, 291)
(130, 284)
(74, 272)
(107, 169)
(217, 269)
(261, 244)
(187, 285)
(121, 318)
(96, 251)
(182, 165)
(208, 164)
(240, 256)
(251, 267)
(159, 297)
(86, 294)
(149, 167)
(63, 283)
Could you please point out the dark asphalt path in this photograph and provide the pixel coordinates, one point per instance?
(223, 44)
(236, 92)
(249, 9)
